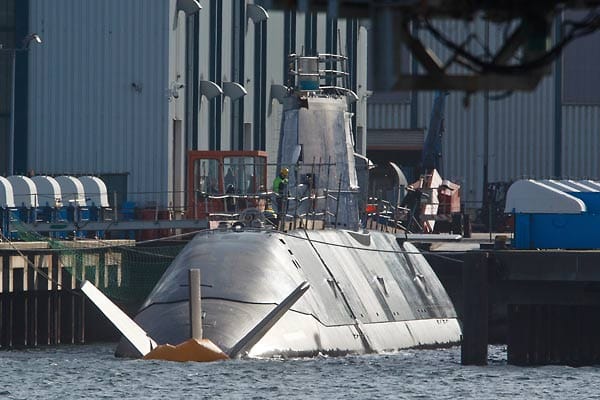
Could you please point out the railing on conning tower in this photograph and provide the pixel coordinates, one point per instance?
(324, 72)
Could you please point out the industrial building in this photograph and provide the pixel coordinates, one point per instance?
(123, 89)
(491, 137)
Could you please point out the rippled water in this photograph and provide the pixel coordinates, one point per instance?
(91, 372)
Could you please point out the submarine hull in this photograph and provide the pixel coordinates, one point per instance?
(367, 293)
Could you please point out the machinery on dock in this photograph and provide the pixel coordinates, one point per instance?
(315, 281)
(431, 204)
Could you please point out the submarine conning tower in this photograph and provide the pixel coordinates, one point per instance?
(317, 145)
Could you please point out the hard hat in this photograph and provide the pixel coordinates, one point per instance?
(284, 171)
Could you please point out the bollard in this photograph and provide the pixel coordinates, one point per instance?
(195, 304)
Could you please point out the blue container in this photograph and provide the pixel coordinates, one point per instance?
(557, 231)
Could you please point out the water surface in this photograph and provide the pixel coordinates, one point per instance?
(92, 372)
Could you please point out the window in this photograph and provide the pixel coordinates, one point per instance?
(206, 173)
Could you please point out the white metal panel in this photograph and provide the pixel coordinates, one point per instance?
(249, 73)
(361, 90)
(530, 196)
(583, 186)
(7, 198)
(226, 65)
(71, 190)
(175, 142)
(48, 191)
(569, 185)
(176, 62)
(249, 83)
(300, 32)
(95, 191)
(24, 191)
(98, 91)
(321, 32)
(563, 185)
(275, 61)
(340, 37)
(204, 73)
(595, 185)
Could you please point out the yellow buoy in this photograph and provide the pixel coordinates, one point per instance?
(200, 350)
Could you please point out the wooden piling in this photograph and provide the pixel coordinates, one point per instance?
(19, 314)
(29, 294)
(38, 305)
(81, 319)
(475, 310)
(545, 334)
(42, 299)
(5, 307)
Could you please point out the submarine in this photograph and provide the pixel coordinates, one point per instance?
(313, 280)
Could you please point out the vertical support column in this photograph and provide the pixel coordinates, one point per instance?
(31, 302)
(520, 334)
(42, 280)
(475, 309)
(56, 303)
(10, 286)
(102, 270)
(67, 303)
(4, 332)
(81, 318)
(195, 304)
(24, 294)
(18, 269)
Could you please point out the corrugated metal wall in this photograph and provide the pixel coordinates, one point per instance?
(581, 141)
(520, 129)
(7, 39)
(100, 90)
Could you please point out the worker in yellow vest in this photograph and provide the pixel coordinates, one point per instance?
(280, 187)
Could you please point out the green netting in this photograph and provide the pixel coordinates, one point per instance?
(124, 271)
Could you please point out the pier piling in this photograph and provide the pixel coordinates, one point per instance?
(475, 312)
(39, 299)
(545, 305)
